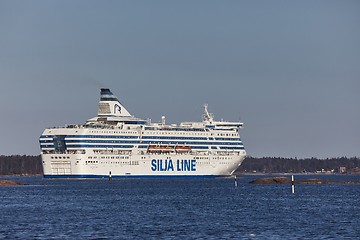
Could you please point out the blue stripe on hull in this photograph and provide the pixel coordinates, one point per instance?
(131, 176)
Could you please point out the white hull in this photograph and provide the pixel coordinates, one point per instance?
(116, 144)
(78, 166)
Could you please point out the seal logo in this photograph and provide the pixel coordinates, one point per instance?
(117, 108)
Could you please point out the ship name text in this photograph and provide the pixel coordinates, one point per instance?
(170, 165)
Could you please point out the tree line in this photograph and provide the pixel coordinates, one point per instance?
(31, 165)
(294, 165)
(20, 165)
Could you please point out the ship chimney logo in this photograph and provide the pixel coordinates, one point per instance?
(117, 108)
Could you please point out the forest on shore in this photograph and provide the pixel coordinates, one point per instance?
(294, 165)
(31, 165)
(20, 165)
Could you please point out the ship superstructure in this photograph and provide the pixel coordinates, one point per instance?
(117, 144)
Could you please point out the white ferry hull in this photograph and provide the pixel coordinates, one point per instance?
(117, 144)
(153, 166)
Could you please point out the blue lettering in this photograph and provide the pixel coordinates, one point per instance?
(193, 165)
(186, 165)
(160, 165)
(178, 165)
(168, 165)
(171, 166)
(167, 162)
(153, 165)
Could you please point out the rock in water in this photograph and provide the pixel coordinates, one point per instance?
(285, 180)
(9, 183)
(272, 180)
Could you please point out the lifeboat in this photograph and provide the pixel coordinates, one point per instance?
(183, 148)
(160, 148)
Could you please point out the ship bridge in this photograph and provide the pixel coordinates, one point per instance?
(209, 122)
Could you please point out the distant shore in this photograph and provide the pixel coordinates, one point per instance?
(294, 173)
(286, 180)
(24, 165)
(230, 176)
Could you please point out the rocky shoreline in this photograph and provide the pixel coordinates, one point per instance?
(285, 180)
(10, 183)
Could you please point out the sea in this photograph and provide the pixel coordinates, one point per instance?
(172, 208)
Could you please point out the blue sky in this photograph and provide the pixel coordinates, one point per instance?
(290, 70)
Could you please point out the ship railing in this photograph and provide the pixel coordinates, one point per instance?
(197, 152)
(227, 153)
(78, 151)
(112, 152)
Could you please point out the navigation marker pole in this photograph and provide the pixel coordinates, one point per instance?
(235, 181)
(292, 184)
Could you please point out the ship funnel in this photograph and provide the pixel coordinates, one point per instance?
(109, 105)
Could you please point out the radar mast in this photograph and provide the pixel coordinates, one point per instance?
(207, 117)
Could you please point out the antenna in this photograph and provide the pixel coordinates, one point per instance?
(207, 116)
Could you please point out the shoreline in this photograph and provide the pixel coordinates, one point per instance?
(235, 174)
(4, 183)
(287, 180)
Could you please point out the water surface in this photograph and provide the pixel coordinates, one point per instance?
(179, 208)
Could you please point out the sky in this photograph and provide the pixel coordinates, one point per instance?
(290, 70)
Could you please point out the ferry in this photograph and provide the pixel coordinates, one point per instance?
(116, 144)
